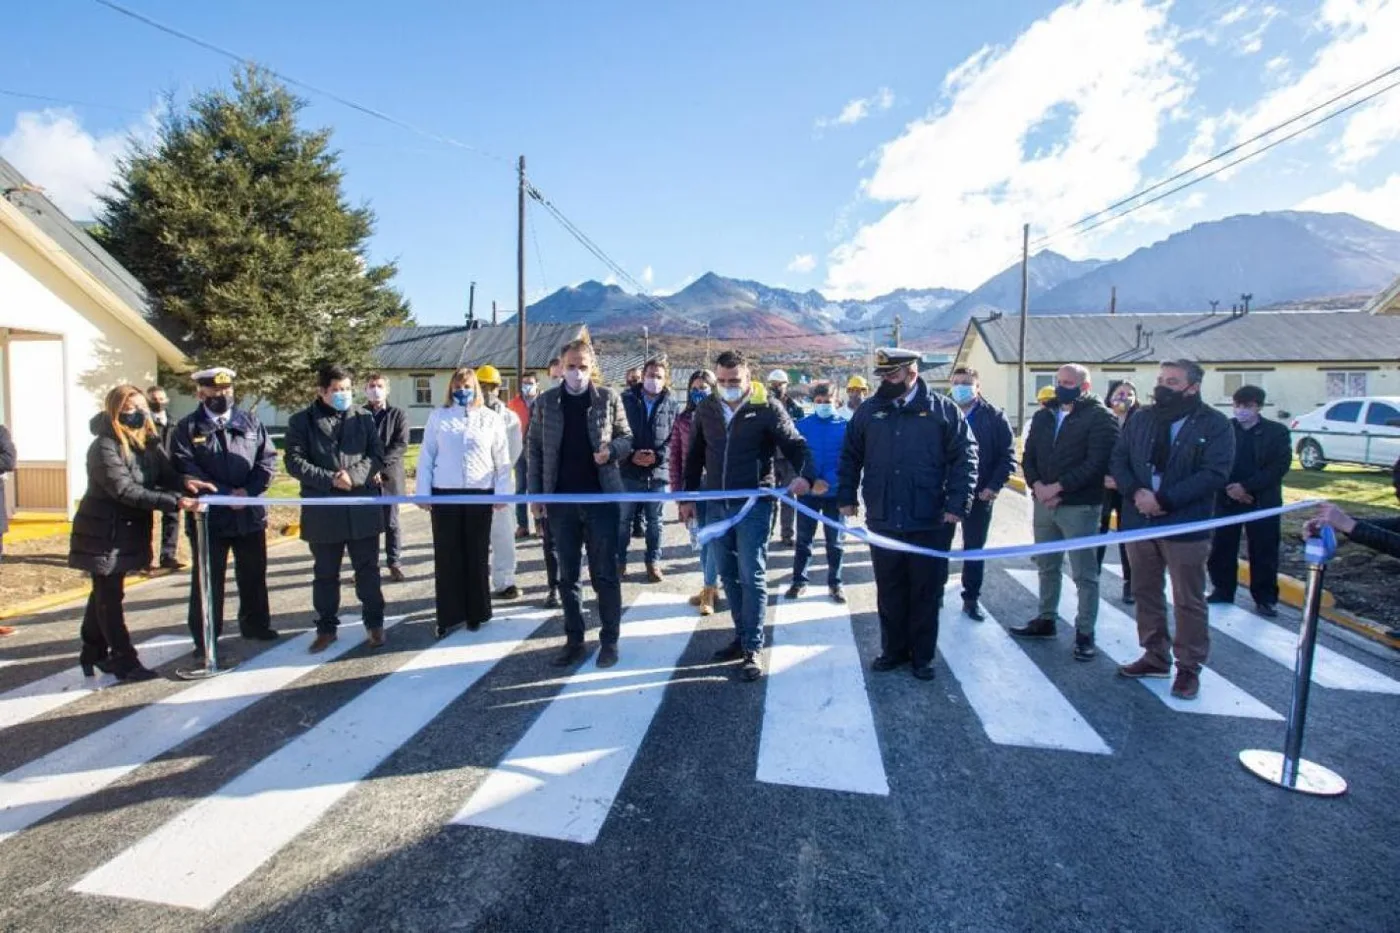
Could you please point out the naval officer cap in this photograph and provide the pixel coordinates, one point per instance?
(216, 377)
(888, 359)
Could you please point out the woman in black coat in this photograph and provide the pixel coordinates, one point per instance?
(129, 478)
(1123, 402)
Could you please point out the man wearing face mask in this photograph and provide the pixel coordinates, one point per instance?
(651, 414)
(1067, 454)
(392, 424)
(911, 454)
(996, 461)
(333, 448)
(1263, 456)
(1170, 463)
(857, 390)
(783, 472)
(523, 404)
(229, 448)
(169, 521)
(825, 434)
(502, 520)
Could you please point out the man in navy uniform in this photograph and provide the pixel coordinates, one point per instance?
(228, 447)
(913, 457)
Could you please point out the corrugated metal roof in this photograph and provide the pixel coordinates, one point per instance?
(74, 240)
(440, 347)
(614, 366)
(1256, 337)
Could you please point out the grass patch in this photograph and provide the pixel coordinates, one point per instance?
(1365, 490)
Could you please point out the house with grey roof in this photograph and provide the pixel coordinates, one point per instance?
(73, 324)
(1302, 359)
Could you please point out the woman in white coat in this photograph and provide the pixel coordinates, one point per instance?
(464, 452)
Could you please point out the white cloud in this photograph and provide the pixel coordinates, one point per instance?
(1234, 15)
(1379, 205)
(860, 108)
(72, 165)
(648, 276)
(666, 292)
(960, 182)
(803, 262)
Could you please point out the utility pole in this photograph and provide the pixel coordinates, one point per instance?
(1246, 299)
(898, 327)
(1025, 308)
(494, 319)
(471, 305)
(1214, 303)
(646, 342)
(1113, 299)
(707, 346)
(520, 280)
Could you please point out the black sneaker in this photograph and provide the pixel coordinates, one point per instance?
(1128, 598)
(1219, 597)
(1084, 649)
(607, 655)
(796, 591)
(750, 670)
(571, 654)
(888, 662)
(552, 600)
(923, 671)
(730, 652)
(509, 592)
(1267, 610)
(973, 611)
(1035, 628)
(838, 595)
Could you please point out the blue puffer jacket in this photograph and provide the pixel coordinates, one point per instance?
(825, 437)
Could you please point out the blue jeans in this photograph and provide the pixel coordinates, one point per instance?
(651, 520)
(807, 531)
(743, 566)
(709, 554)
(573, 529)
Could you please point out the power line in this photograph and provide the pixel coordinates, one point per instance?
(66, 102)
(343, 101)
(539, 257)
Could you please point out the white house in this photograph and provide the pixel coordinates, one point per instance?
(73, 324)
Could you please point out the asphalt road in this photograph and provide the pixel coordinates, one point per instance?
(468, 785)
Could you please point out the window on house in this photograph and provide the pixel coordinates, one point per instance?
(422, 390)
(1041, 381)
(1345, 385)
(1231, 382)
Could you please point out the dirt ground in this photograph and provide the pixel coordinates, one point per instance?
(1364, 582)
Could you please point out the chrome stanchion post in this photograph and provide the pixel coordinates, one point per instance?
(206, 601)
(1289, 769)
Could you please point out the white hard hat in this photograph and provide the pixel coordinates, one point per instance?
(778, 375)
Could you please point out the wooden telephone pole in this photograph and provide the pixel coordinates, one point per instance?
(1025, 307)
(520, 280)
(898, 330)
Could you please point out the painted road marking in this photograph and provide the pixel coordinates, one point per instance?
(204, 853)
(1016, 702)
(818, 728)
(46, 785)
(1330, 668)
(560, 779)
(1116, 636)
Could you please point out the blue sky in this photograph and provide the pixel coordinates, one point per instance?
(853, 148)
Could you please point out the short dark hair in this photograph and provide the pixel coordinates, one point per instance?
(1194, 373)
(1249, 395)
(821, 388)
(657, 361)
(555, 361)
(373, 376)
(966, 371)
(731, 359)
(529, 376)
(150, 389)
(332, 372)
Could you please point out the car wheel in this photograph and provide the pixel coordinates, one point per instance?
(1310, 455)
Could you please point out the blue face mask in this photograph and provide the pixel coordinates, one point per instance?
(698, 395)
(825, 409)
(463, 397)
(341, 401)
(963, 395)
(732, 393)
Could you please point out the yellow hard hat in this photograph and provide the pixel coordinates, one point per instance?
(858, 382)
(489, 375)
(1046, 393)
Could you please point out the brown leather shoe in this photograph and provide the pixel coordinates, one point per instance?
(7, 630)
(376, 638)
(1187, 684)
(396, 574)
(323, 641)
(1145, 666)
(653, 575)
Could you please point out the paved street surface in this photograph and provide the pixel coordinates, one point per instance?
(465, 784)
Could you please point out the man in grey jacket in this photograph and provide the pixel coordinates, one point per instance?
(1170, 463)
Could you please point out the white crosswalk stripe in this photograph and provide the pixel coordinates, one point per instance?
(1116, 636)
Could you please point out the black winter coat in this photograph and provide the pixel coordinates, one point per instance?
(8, 459)
(1273, 458)
(1077, 458)
(320, 443)
(739, 455)
(239, 457)
(112, 529)
(392, 424)
(996, 445)
(1197, 469)
(650, 433)
(913, 464)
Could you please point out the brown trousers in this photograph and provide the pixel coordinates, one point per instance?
(1185, 562)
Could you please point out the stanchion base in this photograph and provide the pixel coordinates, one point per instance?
(202, 673)
(1312, 778)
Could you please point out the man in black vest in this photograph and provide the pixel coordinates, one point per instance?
(392, 424)
(1263, 456)
(228, 447)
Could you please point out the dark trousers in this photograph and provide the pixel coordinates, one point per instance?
(592, 527)
(522, 510)
(974, 531)
(1113, 505)
(393, 543)
(551, 557)
(807, 533)
(784, 516)
(169, 535)
(325, 585)
(650, 515)
(462, 559)
(104, 631)
(908, 591)
(1261, 545)
(250, 575)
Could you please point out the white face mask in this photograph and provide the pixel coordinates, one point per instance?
(376, 393)
(576, 379)
(731, 393)
(652, 385)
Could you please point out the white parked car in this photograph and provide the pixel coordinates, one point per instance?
(1349, 430)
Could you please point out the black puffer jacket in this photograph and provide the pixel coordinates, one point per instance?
(112, 530)
(8, 458)
(650, 432)
(739, 454)
(1077, 456)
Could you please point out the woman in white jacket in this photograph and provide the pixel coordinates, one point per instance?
(464, 452)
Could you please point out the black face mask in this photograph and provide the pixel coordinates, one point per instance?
(217, 404)
(133, 419)
(891, 390)
(1167, 397)
(157, 407)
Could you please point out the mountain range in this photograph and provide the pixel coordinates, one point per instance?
(1276, 258)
